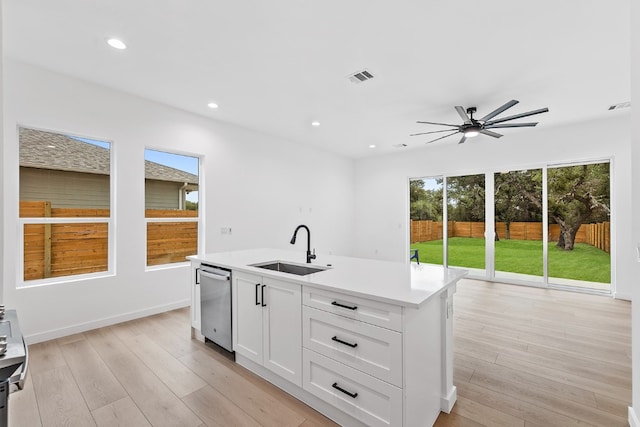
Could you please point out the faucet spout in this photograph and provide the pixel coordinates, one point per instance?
(310, 256)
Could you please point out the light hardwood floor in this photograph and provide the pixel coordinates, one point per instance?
(523, 357)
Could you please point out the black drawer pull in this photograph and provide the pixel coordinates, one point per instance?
(262, 295)
(336, 339)
(337, 387)
(349, 307)
(257, 286)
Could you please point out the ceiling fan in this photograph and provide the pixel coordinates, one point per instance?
(473, 127)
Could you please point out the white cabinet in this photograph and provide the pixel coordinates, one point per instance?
(349, 361)
(381, 364)
(267, 323)
(195, 298)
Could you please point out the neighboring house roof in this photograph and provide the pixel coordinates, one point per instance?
(47, 150)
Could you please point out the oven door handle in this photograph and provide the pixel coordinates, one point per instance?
(19, 378)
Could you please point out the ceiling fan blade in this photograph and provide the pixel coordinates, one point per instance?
(493, 134)
(426, 133)
(517, 116)
(463, 114)
(464, 138)
(442, 137)
(511, 125)
(441, 124)
(499, 110)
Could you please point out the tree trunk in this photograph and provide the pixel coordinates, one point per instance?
(568, 238)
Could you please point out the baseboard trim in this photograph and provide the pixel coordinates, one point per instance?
(633, 418)
(107, 321)
(446, 403)
(626, 297)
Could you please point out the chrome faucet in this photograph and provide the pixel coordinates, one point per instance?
(310, 255)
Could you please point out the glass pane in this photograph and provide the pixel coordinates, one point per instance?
(425, 196)
(171, 191)
(171, 184)
(579, 222)
(63, 176)
(54, 250)
(519, 231)
(465, 212)
(169, 242)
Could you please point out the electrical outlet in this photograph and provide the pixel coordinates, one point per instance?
(225, 230)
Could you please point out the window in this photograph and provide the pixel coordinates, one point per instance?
(65, 205)
(550, 226)
(171, 206)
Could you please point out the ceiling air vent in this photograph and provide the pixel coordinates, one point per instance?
(360, 76)
(620, 105)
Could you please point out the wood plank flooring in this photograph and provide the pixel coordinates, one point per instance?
(523, 357)
(537, 357)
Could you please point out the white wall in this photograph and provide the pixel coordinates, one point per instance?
(2, 198)
(258, 185)
(382, 182)
(634, 419)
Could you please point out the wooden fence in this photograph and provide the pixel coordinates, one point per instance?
(597, 235)
(54, 250)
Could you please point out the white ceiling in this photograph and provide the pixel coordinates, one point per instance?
(277, 65)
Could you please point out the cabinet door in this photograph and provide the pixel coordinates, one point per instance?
(247, 315)
(195, 296)
(282, 329)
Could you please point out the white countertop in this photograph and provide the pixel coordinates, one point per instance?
(408, 285)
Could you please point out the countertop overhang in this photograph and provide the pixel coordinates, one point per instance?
(408, 285)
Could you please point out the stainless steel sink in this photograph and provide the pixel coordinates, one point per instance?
(286, 267)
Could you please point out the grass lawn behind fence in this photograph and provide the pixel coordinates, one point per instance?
(585, 262)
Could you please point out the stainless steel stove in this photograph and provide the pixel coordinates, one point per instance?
(13, 359)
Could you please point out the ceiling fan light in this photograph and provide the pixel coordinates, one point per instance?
(470, 133)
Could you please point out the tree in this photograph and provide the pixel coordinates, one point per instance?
(425, 204)
(577, 194)
(465, 198)
(513, 194)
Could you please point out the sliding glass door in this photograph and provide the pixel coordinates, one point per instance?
(579, 226)
(549, 226)
(519, 228)
(426, 202)
(465, 223)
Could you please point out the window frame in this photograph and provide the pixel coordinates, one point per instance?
(110, 221)
(155, 220)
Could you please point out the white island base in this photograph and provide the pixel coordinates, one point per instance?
(352, 343)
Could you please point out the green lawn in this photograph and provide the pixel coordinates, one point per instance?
(523, 256)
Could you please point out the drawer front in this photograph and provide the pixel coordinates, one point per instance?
(371, 349)
(374, 402)
(374, 312)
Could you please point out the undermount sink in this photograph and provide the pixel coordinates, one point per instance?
(286, 267)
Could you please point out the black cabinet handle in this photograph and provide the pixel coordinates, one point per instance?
(337, 387)
(197, 276)
(257, 286)
(349, 307)
(336, 339)
(263, 304)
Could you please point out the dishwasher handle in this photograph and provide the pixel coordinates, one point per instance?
(216, 276)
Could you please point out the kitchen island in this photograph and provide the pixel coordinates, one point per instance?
(364, 342)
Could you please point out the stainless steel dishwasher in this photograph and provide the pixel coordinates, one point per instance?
(215, 304)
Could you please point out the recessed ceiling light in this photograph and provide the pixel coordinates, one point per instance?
(212, 105)
(372, 145)
(116, 44)
(316, 124)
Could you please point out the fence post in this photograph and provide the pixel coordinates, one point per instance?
(47, 241)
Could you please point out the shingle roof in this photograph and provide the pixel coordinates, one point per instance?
(47, 150)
